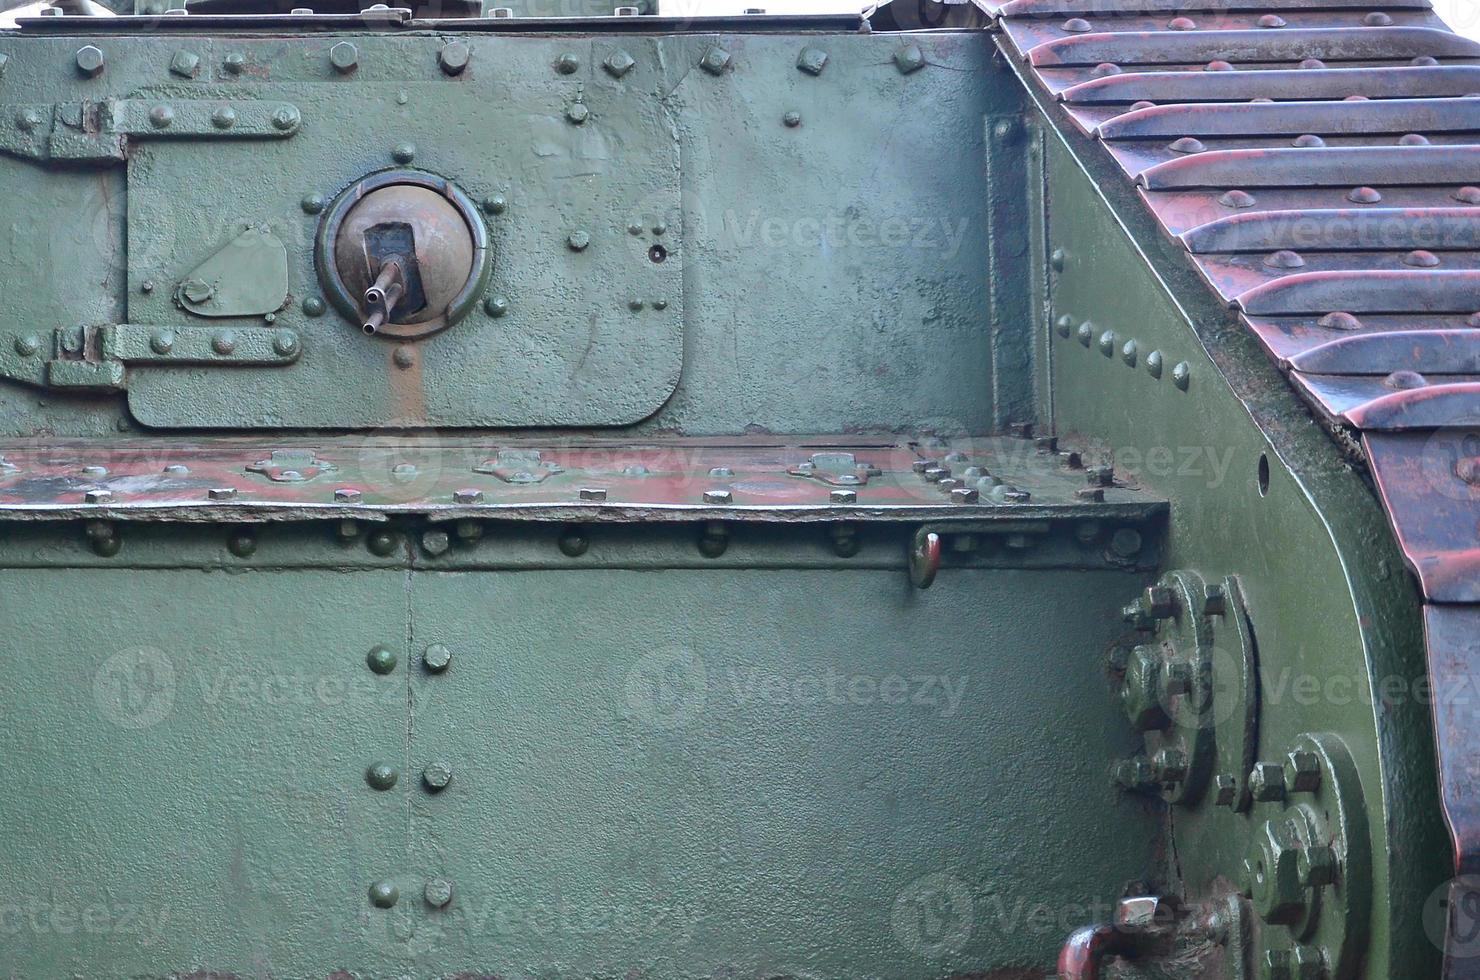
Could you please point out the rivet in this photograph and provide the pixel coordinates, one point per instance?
(577, 112)
(618, 63)
(1105, 69)
(1469, 194)
(1473, 320)
(468, 530)
(404, 357)
(285, 343)
(1065, 325)
(1312, 63)
(381, 659)
(221, 493)
(1422, 258)
(437, 776)
(812, 60)
(635, 304)
(1307, 141)
(1413, 139)
(1237, 199)
(573, 542)
(1076, 25)
(715, 540)
(347, 495)
(567, 64)
(1142, 104)
(224, 117)
(404, 472)
(438, 892)
(97, 496)
(1284, 259)
(909, 59)
(454, 57)
(715, 60)
(184, 64)
(1187, 144)
(1107, 343)
(1378, 19)
(791, 119)
(718, 497)
(578, 241)
(312, 203)
(1126, 542)
(1424, 61)
(384, 895)
(1085, 333)
(1218, 66)
(234, 63)
(1128, 353)
(1153, 364)
(1181, 24)
(495, 204)
(381, 543)
(27, 345)
(345, 57)
(1271, 20)
(381, 776)
(1339, 321)
(403, 152)
(1405, 380)
(94, 472)
(90, 61)
(162, 341)
(224, 342)
(1363, 195)
(660, 304)
(496, 305)
(243, 544)
(28, 119)
(314, 306)
(161, 116)
(1182, 375)
(435, 542)
(285, 118)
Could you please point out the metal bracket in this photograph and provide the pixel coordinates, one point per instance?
(835, 469)
(519, 466)
(101, 130)
(292, 466)
(138, 344)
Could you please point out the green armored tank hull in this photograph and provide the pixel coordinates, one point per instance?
(971, 491)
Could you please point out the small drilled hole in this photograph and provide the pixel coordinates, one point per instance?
(658, 253)
(1263, 475)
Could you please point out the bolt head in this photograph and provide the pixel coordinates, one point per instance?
(1316, 866)
(1303, 772)
(468, 495)
(437, 658)
(438, 892)
(618, 63)
(578, 241)
(384, 895)
(1140, 696)
(381, 659)
(90, 60)
(715, 60)
(593, 493)
(184, 64)
(1272, 877)
(718, 497)
(437, 776)
(285, 343)
(577, 112)
(1225, 789)
(812, 60)
(1267, 782)
(345, 57)
(909, 59)
(221, 493)
(435, 543)
(381, 776)
(1170, 765)
(1309, 963)
(454, 57)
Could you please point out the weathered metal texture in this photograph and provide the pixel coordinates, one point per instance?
(1368, 303)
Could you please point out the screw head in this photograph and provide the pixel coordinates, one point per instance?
(437, 776)
(437, 658)
(454, 57)
(438, 892)
(345, 57)
(384, 895)
(381, 659)
(90, 60)
(381, 776)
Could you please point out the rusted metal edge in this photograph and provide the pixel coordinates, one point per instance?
(1383, 352)
(1365, 291)
(1331, 166)
(1337, 230)
(1407, 82)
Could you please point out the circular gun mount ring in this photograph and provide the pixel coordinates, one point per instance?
(403, 253)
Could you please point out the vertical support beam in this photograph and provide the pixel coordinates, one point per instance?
(1012, 185)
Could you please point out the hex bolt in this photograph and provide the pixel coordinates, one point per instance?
(1215, 602)
(184, 64)
(467, 495)
(593, 493)
(573, 542)
(347, 495)
(1316, 866)
(715, 60)
(1140, 694)
(618, 63)
(1170, 765)
(1099, 476)
(90, 61)
(435, 542)
(381, 659)
(384, 895)
(347, 530)
(1136, 775)
(1272, 878)
(438, 893)
(345, 57)
(716, 497)
(1277, 964)
(437, 658)
(1303, 772)
(221, 493)
(1309, 963)
(1176, 679)
(1158, 602)
(1267, 782)
(1225, 789)
(98, 496)
(381, 776)
(436, 776)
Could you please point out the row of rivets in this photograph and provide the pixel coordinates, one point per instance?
(1078, 25)
(1129, 350)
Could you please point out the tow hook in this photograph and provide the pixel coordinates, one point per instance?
(1138, 921)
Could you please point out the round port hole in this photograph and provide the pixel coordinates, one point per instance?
(1263, 475)
(658, 253)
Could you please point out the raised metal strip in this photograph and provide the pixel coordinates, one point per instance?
(1334, 118)
(1429, 407)
(1432, 81)
(1372, 229)
(1382, 352)
(1331, 166)
(1431, 507)
(1366, 291)
(1453, 637)
(1084, 8)
(1290, 44)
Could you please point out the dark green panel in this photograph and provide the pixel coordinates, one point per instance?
(685, 774)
